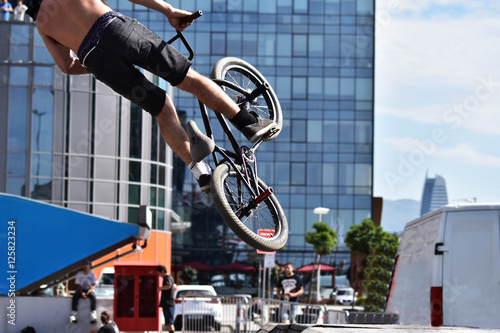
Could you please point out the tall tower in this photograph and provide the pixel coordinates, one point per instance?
(434, 195)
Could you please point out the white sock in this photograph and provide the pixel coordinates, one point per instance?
(200, 168)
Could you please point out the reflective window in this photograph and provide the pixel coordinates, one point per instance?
(300, 45)
(19, 75)
(16, 164)
(16, 186)
(298, 174)
(41, 165)
(17, 118)
(267, 6)
(43, 76)
(42, 120)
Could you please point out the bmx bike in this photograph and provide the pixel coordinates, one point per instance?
(246, 204)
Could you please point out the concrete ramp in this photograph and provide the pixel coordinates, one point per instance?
(42, 242)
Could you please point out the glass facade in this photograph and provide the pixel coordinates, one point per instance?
(72, 141)
(319, 58)
(88, 149)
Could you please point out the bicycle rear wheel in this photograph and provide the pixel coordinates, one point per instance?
(244, 216)
(247, 78)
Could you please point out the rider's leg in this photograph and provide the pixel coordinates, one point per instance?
(172, 131)
(175, 136)
(210, 94)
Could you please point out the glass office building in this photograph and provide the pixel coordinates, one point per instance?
(319, 57)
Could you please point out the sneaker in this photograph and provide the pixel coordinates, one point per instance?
(263, 129)
(93, 317)
(204, 182)
(73, 317)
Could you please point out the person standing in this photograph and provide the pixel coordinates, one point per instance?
(290, 287)
(85, 282)
(5, 9)
(19, 11)
(167, 297)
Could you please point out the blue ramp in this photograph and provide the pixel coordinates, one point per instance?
(38, 240)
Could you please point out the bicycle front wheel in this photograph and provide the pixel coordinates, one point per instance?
(261, 225)
(245, 79)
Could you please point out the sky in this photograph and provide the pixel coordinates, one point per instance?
(437, 98)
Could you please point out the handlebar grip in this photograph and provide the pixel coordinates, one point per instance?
(191, 17)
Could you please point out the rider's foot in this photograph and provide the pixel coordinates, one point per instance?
(255, 128)
(204, 182)
(203, 174)
(201, 145)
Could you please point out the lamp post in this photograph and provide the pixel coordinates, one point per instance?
(320, 211)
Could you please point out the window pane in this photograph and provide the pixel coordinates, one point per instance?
(300, 45)
(314, 131)
(16, 164)
(44, 76)
(41, 165)
(17, 118)
(42, 121)
(298, 174)
(19, 76)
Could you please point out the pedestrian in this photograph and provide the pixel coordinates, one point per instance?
(167, 302)
(290, 287)
(109, 45)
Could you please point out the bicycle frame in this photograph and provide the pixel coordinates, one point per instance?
(241, 155)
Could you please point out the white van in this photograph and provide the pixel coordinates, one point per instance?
(447, 268)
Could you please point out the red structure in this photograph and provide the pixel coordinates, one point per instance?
(136, 300)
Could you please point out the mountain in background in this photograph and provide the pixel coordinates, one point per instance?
(396, 213)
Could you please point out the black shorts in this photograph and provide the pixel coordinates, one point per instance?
(126, 43)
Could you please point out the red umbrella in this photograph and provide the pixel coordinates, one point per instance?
(236, 267)
(199, 266)
(309, 268)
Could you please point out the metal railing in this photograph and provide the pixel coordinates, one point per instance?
(242, 314)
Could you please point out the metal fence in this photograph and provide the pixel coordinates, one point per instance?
(241, 314)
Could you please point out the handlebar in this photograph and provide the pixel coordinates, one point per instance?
(180, 35)
(191, 17)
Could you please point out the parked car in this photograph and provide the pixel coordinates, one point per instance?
(344, 296)
(200, 312)
(105, 284)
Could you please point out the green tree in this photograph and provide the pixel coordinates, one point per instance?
(324, 240)
(189, 274)
(380, 247)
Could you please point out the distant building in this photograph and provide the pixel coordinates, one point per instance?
(434, 195)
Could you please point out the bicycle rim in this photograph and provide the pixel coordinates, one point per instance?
(231, 195)
(247, 77)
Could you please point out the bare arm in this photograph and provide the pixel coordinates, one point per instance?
(62, 57)
(173, 15)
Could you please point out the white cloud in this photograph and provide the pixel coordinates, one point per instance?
(459, 154)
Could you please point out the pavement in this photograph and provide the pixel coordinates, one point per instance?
(302, 328)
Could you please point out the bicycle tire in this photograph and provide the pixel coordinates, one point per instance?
(241, 73)
(267, 215)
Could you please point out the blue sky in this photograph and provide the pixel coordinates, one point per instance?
(437, 98)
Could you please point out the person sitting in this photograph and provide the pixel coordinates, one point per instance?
(85, 282)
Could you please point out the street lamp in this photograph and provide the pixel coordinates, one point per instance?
(321, 211)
